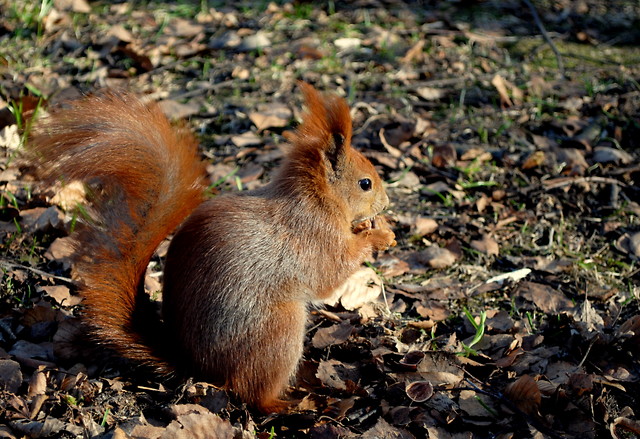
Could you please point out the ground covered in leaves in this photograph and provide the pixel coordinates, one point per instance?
(510, 307)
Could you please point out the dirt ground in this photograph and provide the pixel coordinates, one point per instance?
(507, 133)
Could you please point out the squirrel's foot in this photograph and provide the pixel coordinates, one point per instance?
(273, 405)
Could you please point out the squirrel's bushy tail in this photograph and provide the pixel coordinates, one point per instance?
(143, 177)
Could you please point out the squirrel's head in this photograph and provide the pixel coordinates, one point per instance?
(322, 143)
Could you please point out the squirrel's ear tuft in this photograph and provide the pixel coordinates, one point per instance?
(326, 119)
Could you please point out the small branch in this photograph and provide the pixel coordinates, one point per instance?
(546, 37)
(568, 181)
(4, 264)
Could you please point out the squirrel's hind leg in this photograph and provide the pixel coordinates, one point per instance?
(272, 362)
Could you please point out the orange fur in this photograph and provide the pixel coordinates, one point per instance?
(242, 268)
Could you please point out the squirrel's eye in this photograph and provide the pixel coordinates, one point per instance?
(365, 184)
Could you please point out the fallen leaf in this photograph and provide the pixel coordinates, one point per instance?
(383, 429)
(41, 219)
(501, 85)
(430, 93)
(572, 161)
(486, 245)
(440, 368)
(245, 139)
(333, 373)
(333, 335)
(10, 138)
(176, 110)
(423, 226)
(258, 40)
(181, 27)
(362, 287)
(61, 295)
(391, 266)
(415, 53)
(70, 196)
(630, 330)
(436, 257)
(444, 156)
(199, 423)
(534, 160)
(273, 116)
(347, 43)
(525, 394)
(605, 154)
(545, 297)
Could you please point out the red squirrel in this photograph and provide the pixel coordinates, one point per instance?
(242, 268)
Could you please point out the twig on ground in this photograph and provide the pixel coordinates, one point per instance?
(12, 266)
(568, 181)
(546, 37)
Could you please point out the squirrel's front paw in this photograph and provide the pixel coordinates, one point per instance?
(382, 239)
(362, 226)
(381, 235)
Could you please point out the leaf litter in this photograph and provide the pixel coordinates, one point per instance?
(509, 307)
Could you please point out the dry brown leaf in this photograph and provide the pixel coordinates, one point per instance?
(181, 27)
(424, 226)
(439, 368)
(436, 257)
(41, 219)
(415, 53)
(433, 310)
(581, 383)
(390, 266)
(333, 373)
(80, 6)
(605, 154)
(383, 429)
(546, 298)
(501, 85)
(333, 335)
(196, 422)
(70, 195)
(245, 139)
(175, 110)
(630, 330)
(525, 394)
(118, 31)
(119, 433)
(572, 161)
(38, 382)
(273, 116)
(444, 156)
(470, 404)
(362, 287)
(61, 295)
(486, 245)
(534, 160)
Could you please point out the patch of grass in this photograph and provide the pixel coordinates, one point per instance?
(29, 17)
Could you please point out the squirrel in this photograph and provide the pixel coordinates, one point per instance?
(242, 268)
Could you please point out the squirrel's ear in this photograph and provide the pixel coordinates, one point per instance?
(336, 154)
(326, 126)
